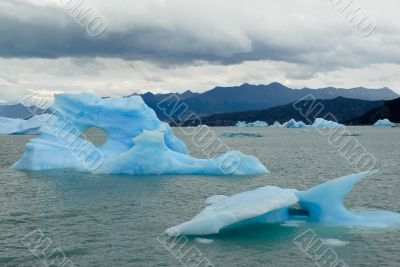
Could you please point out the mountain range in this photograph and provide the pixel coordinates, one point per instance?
(255, 97)
(347, 104)
(18, 111)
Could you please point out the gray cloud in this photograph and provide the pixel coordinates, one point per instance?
(175, 45)
(294, 33)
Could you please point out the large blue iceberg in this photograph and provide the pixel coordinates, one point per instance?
(384, 123)
(9, 126)
(138, 143)
(322, 204)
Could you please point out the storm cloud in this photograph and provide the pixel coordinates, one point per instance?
(302, 39)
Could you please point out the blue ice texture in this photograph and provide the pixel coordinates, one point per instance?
(138, 143)
(322, 204)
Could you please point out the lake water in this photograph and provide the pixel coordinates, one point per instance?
(109, 220)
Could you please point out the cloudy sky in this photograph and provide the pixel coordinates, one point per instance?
(118, 47)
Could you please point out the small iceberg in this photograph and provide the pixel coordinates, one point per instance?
(322, 204)
(256, 124)
(10, 126)
(384, 123)
(325, 124)
(138, 143)
(233, 135)
(294, 124)
(203, 240)
(333, 242)
(276, 125)
(241, 124)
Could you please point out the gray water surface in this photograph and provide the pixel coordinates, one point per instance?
(110, 220)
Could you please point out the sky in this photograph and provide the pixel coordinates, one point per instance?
(119, 47)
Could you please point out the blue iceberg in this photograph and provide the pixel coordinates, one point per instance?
(10, 126)
(322, 204)
(294, 124)
(138, 143)
(325, 124)
(384, 123)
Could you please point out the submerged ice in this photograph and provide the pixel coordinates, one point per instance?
(244, 134)
(322, 204)
(137, 142)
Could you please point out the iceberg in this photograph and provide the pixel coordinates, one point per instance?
(273, 205)
(294, 124)
(257, 124)
(384, 123)
(241, 124)
(233, 135)
(325, 124)
(138, 143)
(276, 125)
(10, 126)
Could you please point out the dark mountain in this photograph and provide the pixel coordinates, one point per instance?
(390, 110)
(18, 111)
(169, 102)
(258, 97)
(255, 97)
(343, 109)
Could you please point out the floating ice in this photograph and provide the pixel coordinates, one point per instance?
(276, 125)
(384, 123)
(333, 242)
(19, 126)
(137, 143)
(322, 204)
(325, 124)
(240, 208)
(203, 240)
(258, 124)
(241, 124)
(232, 135)
(294, 124)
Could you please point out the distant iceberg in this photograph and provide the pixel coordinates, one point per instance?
(138, 143)
(259, 124)
(232, 134)
(384, 123)
(325, 124)
(322, 204)
(294, 124)
(10, 126)
(276, 125)
(241, 124)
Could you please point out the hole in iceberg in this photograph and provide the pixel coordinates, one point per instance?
(296, 210)
(95, 135)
